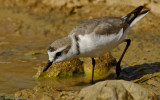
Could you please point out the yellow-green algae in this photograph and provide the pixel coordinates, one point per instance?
(62, 69)
(75, 67)
(102, 65)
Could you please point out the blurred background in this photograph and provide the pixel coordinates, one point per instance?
(27, 27)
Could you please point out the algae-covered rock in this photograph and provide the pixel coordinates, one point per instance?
(76, 67)
(102, 65)
(62, 69)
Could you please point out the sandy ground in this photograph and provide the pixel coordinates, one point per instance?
(26, 33)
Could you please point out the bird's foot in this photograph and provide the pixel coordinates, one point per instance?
(92, 82)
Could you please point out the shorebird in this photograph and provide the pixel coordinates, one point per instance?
(93, 38)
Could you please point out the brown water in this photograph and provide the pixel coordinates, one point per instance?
(17, 67)
(19, 55)
(25, 37)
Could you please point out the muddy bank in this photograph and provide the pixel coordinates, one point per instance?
(81, 10)
(72, 5)
(148, 85)
(26, 32)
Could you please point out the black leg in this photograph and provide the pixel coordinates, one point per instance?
(118, 67)
(93, 63)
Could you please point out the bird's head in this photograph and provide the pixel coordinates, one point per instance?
(59, 50)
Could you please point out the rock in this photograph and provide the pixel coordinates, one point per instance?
(102, 65)
(116, 90)
(43, 97)
(150, 81)
(67, 95)
(54, 3)
(62, 69)
(78, 67)
(26, 93)
(18, 94)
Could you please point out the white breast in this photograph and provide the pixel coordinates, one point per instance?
(94, 45)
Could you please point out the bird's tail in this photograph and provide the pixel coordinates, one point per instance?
(135, 15)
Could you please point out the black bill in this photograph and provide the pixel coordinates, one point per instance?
(47, 66)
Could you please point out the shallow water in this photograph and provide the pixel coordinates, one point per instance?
(17, 67)
(26, 37)
(23, 48)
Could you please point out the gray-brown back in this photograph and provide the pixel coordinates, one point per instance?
(101, 26)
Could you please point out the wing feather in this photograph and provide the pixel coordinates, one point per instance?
(101, 26)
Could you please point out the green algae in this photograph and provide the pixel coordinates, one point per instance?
(102, 66)
(76, 67)
(61, 70)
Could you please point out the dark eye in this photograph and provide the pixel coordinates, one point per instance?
(58, 54)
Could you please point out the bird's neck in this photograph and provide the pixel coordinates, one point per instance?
(75, 49)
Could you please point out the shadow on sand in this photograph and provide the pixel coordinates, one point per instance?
(138, 71)
(134, 72)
